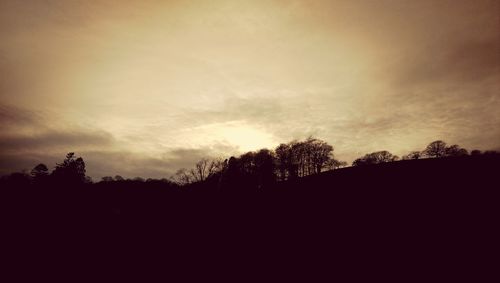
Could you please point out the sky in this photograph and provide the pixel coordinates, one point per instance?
(143, 88)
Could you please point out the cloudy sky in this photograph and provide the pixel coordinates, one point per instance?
(142, 88)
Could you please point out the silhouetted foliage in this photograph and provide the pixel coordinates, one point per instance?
(40, 174)
(119, 178)
(17, 179)
(264, 168)
(40, 170)
(435, 149)
(285, 164)
(251, 171)
(397, 196)
(107, 179)
(491, 153)
(205, 168)
(333, 164)
(302, 158)
(71, 170)
(375, 158)
(475, 152)
(413, 155)
(182, 177)
(202, 170)
(455, 150)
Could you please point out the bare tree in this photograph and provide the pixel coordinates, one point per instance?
(413, 155)
(283, 160)
(333, 164)
(455, 150)
(435, 149)
(182, 177)
(375, 158)
(206, 168)
(202, 170)
(302, 158)
(319, 152)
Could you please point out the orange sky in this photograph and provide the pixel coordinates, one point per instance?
(142, 88)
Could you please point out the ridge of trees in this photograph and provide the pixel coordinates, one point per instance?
(255, 169)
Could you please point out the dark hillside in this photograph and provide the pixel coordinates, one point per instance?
(376, 213)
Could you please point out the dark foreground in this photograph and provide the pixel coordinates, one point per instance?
(404, 218)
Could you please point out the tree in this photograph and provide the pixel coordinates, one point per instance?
(302, 158)
(251, 171)
(319, 154)
(182, 177)
(375, 158)
(491, 153)
(40, 171)
(333, 164)
(264, 163)
(200, 171)
(107, 179)
(231, 175)
(284, 161)
(475, 152)
(71, 170)
(435, 149)
(413, 155)
(203, 169)
(456, 150)
(17, 179)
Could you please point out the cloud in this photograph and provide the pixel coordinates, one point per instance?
(472, 61)
(145, 89)
(55, 139)
(14, 116)
(27, 130)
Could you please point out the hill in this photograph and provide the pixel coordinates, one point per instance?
(409, 210)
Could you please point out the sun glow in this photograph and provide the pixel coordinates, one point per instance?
(245, 137)
(240, 134)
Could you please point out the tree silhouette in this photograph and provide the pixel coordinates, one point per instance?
(71, 170)
(231, 175)
(251, 171)
(475, 152)
(40, 171)
(435, 149)
(107, 179)
(413, 155)
(333, 164)
(40, 174)
(375, 158)
(203, 169)
(302, 158)
(182, 177)
(264, 168)
(319, 152)
(284, 161)
(455, 150)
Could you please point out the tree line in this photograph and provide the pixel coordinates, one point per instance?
(256, 169)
